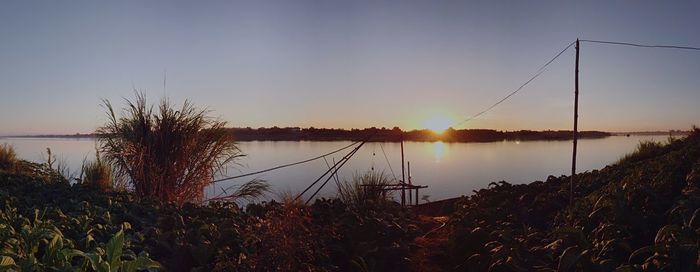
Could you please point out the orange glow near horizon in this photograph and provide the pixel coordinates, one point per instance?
(437, 123)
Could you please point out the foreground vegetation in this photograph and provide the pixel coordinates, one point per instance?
(48, 224)
(641, 214)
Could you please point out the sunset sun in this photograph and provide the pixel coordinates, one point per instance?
(437, 123)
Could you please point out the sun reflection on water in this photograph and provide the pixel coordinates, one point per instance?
(439, 150)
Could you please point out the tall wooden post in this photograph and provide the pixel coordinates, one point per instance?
(573, 160)
(403, 175)
(410, 192)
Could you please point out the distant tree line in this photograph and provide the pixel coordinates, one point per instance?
(395, 134)
(391, 134)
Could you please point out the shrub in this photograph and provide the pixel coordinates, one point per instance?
(8, 157)
(285, 239)
(645, 149)
(168, 154)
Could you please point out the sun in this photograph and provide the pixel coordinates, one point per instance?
(437, 123)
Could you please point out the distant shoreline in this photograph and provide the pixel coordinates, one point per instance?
(653, 133)
(394, 135)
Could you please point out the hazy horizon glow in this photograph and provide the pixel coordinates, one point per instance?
(349, 64)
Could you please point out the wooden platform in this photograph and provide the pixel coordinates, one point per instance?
(438, 208)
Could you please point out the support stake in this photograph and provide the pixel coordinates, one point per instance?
(403, 175)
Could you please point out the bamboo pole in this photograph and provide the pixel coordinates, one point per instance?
(573, 159)
(403, 175)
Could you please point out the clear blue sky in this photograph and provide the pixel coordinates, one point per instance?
(350, 63)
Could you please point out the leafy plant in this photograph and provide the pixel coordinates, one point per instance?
(636, 215)
(218, 236)
(109, 259)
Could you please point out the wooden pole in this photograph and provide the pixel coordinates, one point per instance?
(573, 160)
(403, 175)
(410, 193)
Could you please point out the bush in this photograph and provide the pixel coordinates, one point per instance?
(286, 239)
(169, 154)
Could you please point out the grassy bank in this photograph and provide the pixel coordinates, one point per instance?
(640, 214)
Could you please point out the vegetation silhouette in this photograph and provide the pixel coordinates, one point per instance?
(396, 134)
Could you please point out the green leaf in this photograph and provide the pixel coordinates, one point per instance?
(575, 234)
(94, 258)
(665, 232)
(641, 254)
(88, 240)
(6, 261)
(104, 267)
(114, 249)
(142, 262)
(53, 249)
(70, 253)
(625, 268)
(569, 259)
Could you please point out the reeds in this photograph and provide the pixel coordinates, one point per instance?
(645, 149)
(168, 154)
(97, 174)
(364, 190)
(8, 157)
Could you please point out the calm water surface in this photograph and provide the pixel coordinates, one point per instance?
(449, 169)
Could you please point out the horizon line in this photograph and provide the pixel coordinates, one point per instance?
(25, 135)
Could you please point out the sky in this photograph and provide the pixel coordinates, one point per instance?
(350, 64)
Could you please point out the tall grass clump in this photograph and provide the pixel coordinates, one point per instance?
(168, 154)
(97, 174)
(365, 189)
(8, 157)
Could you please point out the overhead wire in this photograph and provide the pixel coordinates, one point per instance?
(334, 169)
(387, 161)
(288, 164)
(643, 45)
(537, 74)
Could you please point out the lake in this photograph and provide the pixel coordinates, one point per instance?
(449, 169)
